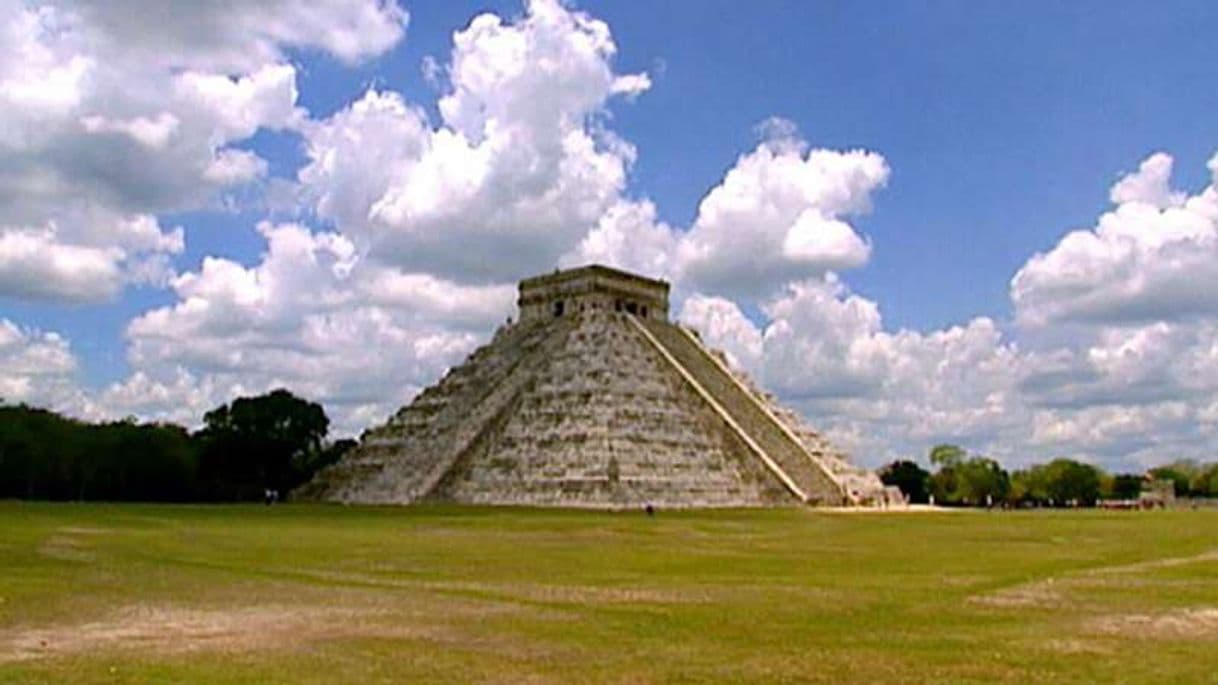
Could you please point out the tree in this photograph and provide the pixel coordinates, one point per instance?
(1059, 483)
(1028, 486)
(1179, 472)
(947, 455)
(1205, 483)
(47, 456)
(913, 480)
(983, 481)
(1126, 486)
(965, 479)
(312, 462)
(1067, 481)
(268, 441)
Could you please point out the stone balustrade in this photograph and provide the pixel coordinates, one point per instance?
(789, 455)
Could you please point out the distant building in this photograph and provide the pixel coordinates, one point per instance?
(1158, 494)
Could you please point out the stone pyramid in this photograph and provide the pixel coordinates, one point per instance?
(594, 399)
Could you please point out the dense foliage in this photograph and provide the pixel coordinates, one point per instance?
(963, 479)
(967, 479)
(1191, 478)
(913, 480)
(46, 456)
(273, 441)
(259, 443)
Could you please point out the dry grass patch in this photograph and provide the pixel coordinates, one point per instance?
(1155, 564)
(1054, 591)
(534, 592)
(175, 629)
(1198, 623)
(1039, 594)
(66, 548)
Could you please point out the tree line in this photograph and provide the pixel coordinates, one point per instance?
(960, 478)
(275, 441)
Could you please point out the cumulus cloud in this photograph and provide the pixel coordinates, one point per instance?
(779, 216)
(36, 367)
(87, 258)
(311, 316)
(879, 393)
(1134, 298)
(1121, 342)
(237, 37)
(34, 265)
(1150, 184)
(112, 113)
(514, 174)
(1145, 260)
(628, 236)
(433, 221)
(721, 323)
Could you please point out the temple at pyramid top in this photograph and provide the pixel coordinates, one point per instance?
(590, 288)
(593, 398)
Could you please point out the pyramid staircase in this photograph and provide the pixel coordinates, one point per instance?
(766, 435)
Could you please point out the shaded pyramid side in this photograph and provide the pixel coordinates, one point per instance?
(607, 422)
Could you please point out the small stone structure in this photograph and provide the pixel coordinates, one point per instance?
(592, 288)
(1158, 494)
(594, 399)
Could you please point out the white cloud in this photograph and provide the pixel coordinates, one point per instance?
(628, 236)
(311, 316)
(1132, 306)
(879, 393)
(36, 367)
(222, 36)
(152, 132)
(721, 323)
(1153, 257)
(631, 85)
(1150, 184)
(1122, 368)
(1148, 435)
(1124, 396)
(88, 259)
(778, 216)
(237, 107)
(517, 172)
(775, 218)
(34, 265)
(110, 111)
(512, 178)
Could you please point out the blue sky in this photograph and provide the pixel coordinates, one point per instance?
(1004, 123)
(1000, 128)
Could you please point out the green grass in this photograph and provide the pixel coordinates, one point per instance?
(312, 594)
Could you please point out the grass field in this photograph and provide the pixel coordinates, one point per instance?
(304, 594)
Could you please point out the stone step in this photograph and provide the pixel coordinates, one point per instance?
(800, 467)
